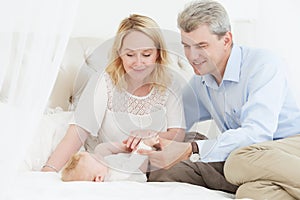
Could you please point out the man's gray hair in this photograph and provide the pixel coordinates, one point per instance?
(204, 12)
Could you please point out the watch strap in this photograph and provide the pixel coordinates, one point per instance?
(195, 149)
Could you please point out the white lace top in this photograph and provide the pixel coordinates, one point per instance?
(125, 112)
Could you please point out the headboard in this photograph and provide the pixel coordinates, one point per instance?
(87, 55)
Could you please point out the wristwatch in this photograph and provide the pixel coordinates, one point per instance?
(195, 157)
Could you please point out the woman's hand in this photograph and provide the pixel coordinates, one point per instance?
(138, 135)
(170, 153)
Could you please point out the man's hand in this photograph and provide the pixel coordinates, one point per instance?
(171, 153)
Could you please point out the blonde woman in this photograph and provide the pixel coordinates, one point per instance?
(135, 98)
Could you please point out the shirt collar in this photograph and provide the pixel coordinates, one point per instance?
(232, 70)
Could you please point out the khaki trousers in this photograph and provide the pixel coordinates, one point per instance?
(267, 171)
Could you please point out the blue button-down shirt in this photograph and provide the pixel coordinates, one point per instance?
(252, 104)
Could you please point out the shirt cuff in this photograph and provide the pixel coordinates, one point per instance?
(205, 148)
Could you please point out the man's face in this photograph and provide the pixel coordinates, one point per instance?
(206, 52)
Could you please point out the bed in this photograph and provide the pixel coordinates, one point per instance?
(83, 57)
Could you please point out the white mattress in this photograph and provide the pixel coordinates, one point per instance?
(41, 185)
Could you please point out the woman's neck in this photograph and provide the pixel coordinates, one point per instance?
(138, 88)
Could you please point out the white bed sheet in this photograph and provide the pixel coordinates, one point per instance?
(31, 184)
(48, 186)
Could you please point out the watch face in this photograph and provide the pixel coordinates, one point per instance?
(194, 157)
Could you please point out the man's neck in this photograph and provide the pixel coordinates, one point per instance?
(221, 67)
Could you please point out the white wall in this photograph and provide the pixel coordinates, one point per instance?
(269, 24)
(96, 18)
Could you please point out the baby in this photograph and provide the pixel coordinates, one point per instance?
(109, 162)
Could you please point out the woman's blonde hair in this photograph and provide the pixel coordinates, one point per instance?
(146, 25)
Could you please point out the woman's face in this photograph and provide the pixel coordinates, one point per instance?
(138, 54)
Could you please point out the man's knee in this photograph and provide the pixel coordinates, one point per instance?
(262, 190)
(237, 164)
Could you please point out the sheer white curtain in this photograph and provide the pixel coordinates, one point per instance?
(33, 37)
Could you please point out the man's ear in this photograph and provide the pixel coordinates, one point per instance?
(227, 39)
(98, 178)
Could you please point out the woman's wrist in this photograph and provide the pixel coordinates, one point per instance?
(48, 167)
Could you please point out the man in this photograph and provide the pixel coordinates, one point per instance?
(245, 91)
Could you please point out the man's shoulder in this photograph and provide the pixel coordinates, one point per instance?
(260, 61)
(259, 53)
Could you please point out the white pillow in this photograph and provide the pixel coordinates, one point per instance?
(51, 130)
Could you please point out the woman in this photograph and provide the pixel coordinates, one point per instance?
(135, 98)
